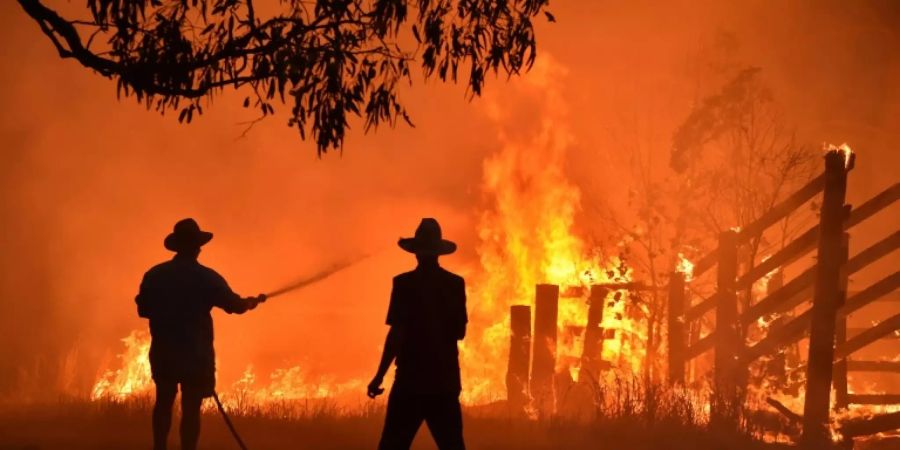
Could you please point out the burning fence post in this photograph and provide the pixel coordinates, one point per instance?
(777, 366)
(591, 357)
(816, 406)
(677, 336)
(543, 365)
(839, 374)
(519, 357)
(726, 395)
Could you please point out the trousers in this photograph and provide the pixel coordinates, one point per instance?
(406, 412)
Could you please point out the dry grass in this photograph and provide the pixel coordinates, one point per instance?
(626, 423)
(619, 414)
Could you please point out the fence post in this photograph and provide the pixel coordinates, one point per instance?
(676, 329)
(726, 397)
(592, 353)
(827, 294)
(543, 364)
(840, 331)
(519, 357)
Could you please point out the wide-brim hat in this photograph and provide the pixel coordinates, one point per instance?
(427, 240)
(186, 235)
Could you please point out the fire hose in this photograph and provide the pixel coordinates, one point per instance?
(237, 437)
(298, 284)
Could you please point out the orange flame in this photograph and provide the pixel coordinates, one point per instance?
(133, 377)
(684, 266)
(843, 148)
(294, 383)
(528, 236)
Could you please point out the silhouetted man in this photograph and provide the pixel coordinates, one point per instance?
(427, 316)
(177, 296)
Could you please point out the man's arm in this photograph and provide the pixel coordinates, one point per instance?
(462, 317)
(391, 343)
(143, 299)
(223, 297)
(239, 305)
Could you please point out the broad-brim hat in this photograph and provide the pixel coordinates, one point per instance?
(186, 235)
(427, 240)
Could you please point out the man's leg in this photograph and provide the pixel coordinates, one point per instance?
(443, 415)
(162, 413)
(401, 422)
(191, 399)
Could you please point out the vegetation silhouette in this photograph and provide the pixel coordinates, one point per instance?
(328, 60)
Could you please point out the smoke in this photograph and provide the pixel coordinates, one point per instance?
(91, 184)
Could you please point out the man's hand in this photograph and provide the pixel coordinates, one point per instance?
(255, 301)
(375, 389)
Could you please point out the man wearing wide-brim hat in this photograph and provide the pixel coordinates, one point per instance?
(177, 296)
(427, 316)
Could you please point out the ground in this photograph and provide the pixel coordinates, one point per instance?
(77, 425)
(68, 424)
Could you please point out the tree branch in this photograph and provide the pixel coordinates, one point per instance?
(56, 27)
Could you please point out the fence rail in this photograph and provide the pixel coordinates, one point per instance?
(825, 322)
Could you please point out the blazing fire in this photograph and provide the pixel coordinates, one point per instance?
(133, 379)
(528, 235)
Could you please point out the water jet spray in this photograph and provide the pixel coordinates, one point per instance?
(316, 277)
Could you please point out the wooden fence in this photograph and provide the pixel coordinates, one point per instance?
(532, 357)
(825, 322)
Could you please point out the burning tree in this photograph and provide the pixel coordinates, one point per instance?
(736, 154)
(736, 158)
(733, 157)
(331, 59)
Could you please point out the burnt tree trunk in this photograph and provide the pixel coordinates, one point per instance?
(543, 365)
(816, 406)
(519, 357)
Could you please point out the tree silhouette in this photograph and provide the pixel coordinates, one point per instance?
(327, 59)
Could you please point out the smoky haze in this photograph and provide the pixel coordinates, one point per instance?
(92, 184)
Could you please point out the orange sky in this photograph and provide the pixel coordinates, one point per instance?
(91, 185)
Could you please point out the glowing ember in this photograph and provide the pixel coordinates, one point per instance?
(761, 286)
(684, 266)
(843, 148)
